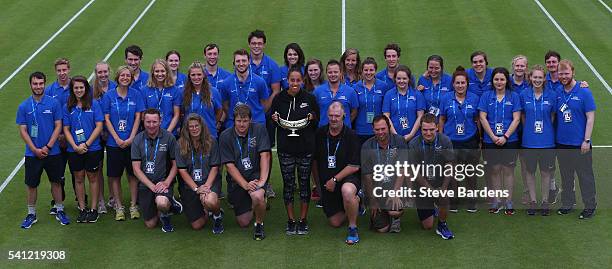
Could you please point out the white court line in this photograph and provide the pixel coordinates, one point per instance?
(588, 63)
(343, 25)
(605, 5)
(45, 44)
(129, 30)
(10, 177)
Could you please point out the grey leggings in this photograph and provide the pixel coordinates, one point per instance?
(288, 163)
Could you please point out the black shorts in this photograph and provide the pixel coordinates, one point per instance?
(90, 161)
(332, 201)
(118, 159)
(504, 155)
(192, 206)
(467, 152)
(35, 166)
(240, 198)
(545, 158)
(146, 201)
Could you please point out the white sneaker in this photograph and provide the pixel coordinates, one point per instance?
(395, 225)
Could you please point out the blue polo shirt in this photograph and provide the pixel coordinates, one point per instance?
(119, 108)
(458, 113)
(284, 73)
(519, 88)
(58, 93)
(370, 101)
(218, 78)
(348, 82)
(479, 87)
(538, 110)
(268, 70)
(206, 111)
(500, 112)
(250, 92)
(111, 86)
(399, 106)
(556, 86)
(165, 100)
(434, 93)
(42, 114)
(382, 75)
(345, 95)
(141, 83)
(180, 81)
(579, 102)
(77, 118)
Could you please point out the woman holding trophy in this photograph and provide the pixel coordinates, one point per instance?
(296, 112)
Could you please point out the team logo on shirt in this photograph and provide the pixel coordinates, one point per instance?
(131, 103)
(576, 98)
(252, 90)
(508, 103)
(47, 111)
(411, 97)
(342, 97)
(264, 72)
(163, 147)
(303, 105)
(469, 106)
(546, 102)
(378, 91)
(444, 89)
(253, 142)
(168, 95)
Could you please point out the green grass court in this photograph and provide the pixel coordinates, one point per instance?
(452, 29)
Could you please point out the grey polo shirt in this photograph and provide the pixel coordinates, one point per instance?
(161, 162)
(231, 145)
(193, 161)
(372, 153)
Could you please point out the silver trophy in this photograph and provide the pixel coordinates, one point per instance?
(292, 125)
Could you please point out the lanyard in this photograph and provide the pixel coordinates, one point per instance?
(503, 108)
(437, 100)
(335, 151)
(248, 145)
(193, 95)
(79, 116)
(262, 65)
(238, 89)
(535, 109)
(386, 155)
(569, 97)
(399, 111)
(366, 95)
(34, 109)
(127, 113)
(331, 95)
(147, 150)
(435, 146)
(159, 98)
(215, 77)
(455, 102)
(193, 160)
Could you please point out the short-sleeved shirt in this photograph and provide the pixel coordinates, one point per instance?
(554, 85)
(439, 151)
(370, 101)
(500, 112)
(42, 114)
(235, 149)
(59, 93)
(433, 93)
(345, 147)
(206, 111)
(250, 92)
(479, 87)
(462, 114)
(579, 101)
(372, 153)
(196, 160)
(165, 100)
(268, 70)
(122, 110)
(519, 88)
(383, 75)
(79, 119)
(180, 81)
(284, 70)
(345, 95)
(144, 150)
(403, 106)
(538, 110)
(349, 82)
(218, 78)
(141, 83)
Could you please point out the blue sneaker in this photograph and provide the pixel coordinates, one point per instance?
(218, 223)
(166, 225)
(29, 221)
(62, 217)
(444, 232)
(353, 236)
(362, 209)
(177, 207)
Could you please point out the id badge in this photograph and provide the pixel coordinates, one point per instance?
(369, 117)
(331, 162)
(563, 108)
(149, 167)
(460, 127)
(434, 110)
(499, 129)
(122, 125)
(538, 126)
(34, 131)
(567, 116)
(197, 175)
(404, 122)
(80, 135)
(246, 163)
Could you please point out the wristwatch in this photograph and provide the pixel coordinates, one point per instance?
(195, 189)
(588, 141)
(335, 179)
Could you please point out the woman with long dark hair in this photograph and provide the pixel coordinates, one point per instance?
(294, 56)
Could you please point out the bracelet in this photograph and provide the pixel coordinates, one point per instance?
(506, 137)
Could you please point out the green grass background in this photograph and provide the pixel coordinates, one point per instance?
(452, 29)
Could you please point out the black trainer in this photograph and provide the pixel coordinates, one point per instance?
(302, 227)
(564, 211)
(259, 233)
(587, 214)
(92, 216)
(82, 218)
(291, 227)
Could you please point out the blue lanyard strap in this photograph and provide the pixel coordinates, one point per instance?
(248, 89)
(248, 145)
(399, 111)
(455, 102)
(366, 95)
(79, 116)
(569, 97)
(159, 98)
(437, 100)
(147, 150)
(193, 160)
(503, 108)
(435, 143)
(127, 113)
(34, 109)
(193, 95)
(535, 108)
(386, 155)
(335, 151)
